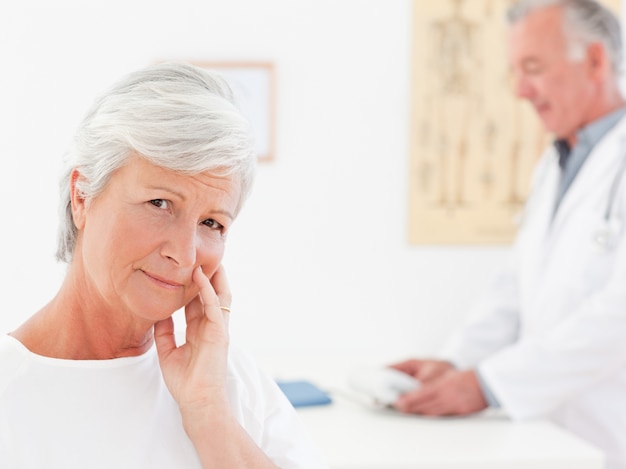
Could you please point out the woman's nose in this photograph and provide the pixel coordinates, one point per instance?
(181, 246)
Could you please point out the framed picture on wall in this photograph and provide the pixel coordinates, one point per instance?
(253, 84)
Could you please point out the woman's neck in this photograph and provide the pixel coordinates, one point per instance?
(76, 325)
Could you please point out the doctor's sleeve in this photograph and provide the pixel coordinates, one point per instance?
(492, 324)
(538, 374)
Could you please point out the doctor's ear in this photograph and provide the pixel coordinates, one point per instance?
(598, 61)
(77, 199)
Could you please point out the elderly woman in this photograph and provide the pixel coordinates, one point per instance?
(157, 174)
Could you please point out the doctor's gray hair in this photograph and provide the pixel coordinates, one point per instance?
(176, 116)
(584, 21)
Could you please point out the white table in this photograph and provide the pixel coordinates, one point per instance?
(356, 435)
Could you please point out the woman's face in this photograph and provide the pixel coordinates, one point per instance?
(141, 238)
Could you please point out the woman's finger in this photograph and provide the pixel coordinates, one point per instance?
(210, 300)
(194, 309)
(221, 287)
(164, 337)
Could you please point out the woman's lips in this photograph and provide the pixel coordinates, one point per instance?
(164, 282)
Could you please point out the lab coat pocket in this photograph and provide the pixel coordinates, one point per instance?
(598, 268)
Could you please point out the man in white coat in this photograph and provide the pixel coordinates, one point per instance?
(549, 338)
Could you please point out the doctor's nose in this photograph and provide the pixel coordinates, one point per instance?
(181, 246)
(523, 88)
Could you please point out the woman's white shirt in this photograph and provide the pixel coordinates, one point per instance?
(118, 413)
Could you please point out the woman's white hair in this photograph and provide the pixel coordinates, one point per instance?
(176, 116)
(585, 22)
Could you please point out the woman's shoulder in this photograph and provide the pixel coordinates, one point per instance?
(266, 414)
(243, 367)
(253, 388)
(13, 358)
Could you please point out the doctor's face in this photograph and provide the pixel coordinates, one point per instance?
(559, 89)
(141, 238)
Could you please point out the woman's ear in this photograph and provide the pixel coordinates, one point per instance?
(77, 199)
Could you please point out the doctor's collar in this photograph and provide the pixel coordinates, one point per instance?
(563, 150)
(588, 136)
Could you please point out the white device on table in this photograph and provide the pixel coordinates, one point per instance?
(384, 385)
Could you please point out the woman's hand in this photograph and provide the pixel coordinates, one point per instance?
(195, 372)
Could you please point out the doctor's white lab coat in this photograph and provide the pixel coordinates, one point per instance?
(549, 338)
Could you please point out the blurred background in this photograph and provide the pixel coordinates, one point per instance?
(319, 260)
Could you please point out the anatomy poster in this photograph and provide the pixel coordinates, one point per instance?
(473, 144)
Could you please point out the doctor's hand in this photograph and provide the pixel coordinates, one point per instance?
(452, 393)
(423, 370)
(195, 372)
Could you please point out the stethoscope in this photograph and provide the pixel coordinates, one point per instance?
(605, 237)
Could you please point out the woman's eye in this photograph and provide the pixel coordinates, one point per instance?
(160, 203)
(213, 224)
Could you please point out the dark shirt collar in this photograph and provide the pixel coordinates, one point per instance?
(562, 149)
(572, 159)
(588, 136)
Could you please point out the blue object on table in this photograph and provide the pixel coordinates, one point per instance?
(303, 393)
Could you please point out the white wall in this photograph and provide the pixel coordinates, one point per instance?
(318, 260)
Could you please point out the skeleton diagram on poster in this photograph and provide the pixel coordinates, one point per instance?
(473, 143)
